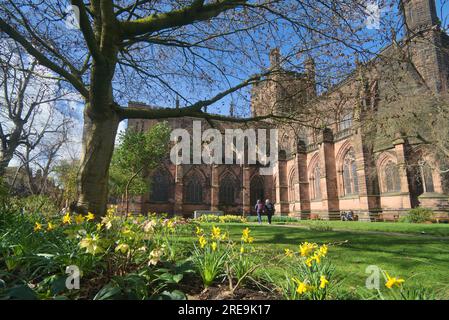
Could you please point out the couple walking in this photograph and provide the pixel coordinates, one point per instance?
(262, 208)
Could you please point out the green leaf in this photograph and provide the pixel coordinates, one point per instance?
(109, 291)
(173, 295)
(22, 292)
(177, 277)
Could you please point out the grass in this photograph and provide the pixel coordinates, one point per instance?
(419, 259)
(396, 227)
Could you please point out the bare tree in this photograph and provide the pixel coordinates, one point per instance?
(25, 98)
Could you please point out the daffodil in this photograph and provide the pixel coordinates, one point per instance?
(213, 246)
(50, 226)
(308, 262)
(66, 219)
(391, 282)
(323, 282)
(90, 216)
(37, 226)
(302, 286)
(216, 232)
(306, 248)
(288, 253)
(317, 257)
(79, 219)
(99, 226)
(242, 249)
(246, 237)
(199, 231)
(323, 250)
(202, 240)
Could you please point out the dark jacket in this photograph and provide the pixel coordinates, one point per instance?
(269, 208)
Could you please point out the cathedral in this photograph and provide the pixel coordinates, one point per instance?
(341, 160)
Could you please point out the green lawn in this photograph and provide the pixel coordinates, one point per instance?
(420, 259)
(412, 228)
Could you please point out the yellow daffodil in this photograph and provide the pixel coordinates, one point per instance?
(288, 253)
(317, 257)
(245, 233)
(37, 226)
(323, 250)
(90, 216)
(79, 219)
(391, 282)
(302, 286)
(216, 232)
(199, 231)
(323, 282)
(91, 244)
(309, 262)
(202, 240)
(50, 226)
(99, 225)
(246, 237)
(306, 248)
(66, 219)
(213, 246)
(242, 249)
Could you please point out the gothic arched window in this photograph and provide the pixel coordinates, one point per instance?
(228, 188)
(194, 191)
(316, 183)
(257, 189)
(346, 122)
(426, 172)
(160, 188)
(350, 179)
(392, 181)
(293, 181)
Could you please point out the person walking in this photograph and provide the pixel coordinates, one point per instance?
(260, 208)
(269, 208)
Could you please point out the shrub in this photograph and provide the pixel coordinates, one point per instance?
(275, 219)
(211, 218)
(127, 257)
(35, 204)
(418, 215)
(320, 226)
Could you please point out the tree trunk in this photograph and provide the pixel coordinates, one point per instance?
(98, 145)
(4, 162)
